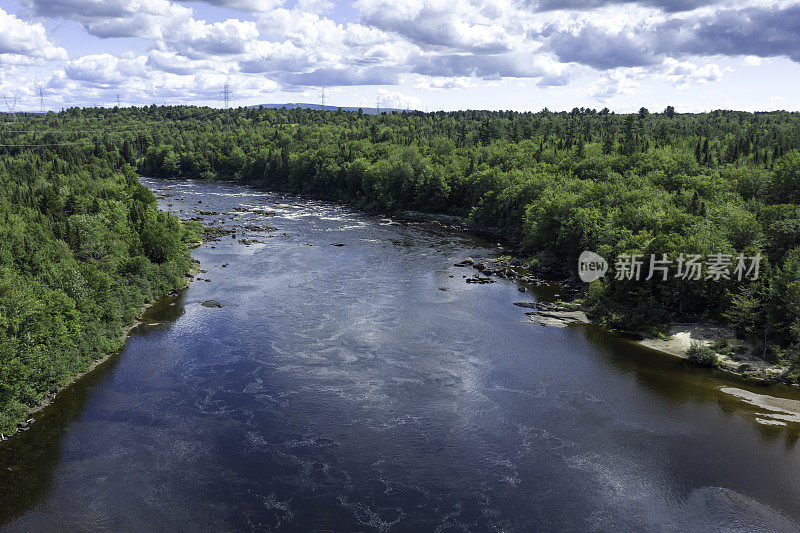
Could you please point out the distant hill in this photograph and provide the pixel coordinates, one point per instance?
(318, 107)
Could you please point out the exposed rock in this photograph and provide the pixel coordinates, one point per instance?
(480, 280)
(557, 318)
(264, 228)
(211, 303)
(259, 210)
(214, 234)
(338, 244)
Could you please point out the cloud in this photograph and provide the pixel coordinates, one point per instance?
(114, 18)
(246, 5)
(24, 43)
(276, 57)
(308, 50)
(166, 61)
(670, 6)
(440, 24)
(442, 83)
(398, 100)
(198, 39)
(613, 84)
(754, 61)
(594, 47)
(329, 77)
(306, 29)
(553, 81)
(428, 44)
(105, 69)
(685, 73)
(758, 31)
(762, 31)
(97, 80)
(315, 6)
(490, 66)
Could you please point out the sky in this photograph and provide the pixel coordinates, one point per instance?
(696, 55)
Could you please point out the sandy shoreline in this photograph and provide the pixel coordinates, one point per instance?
(738, 358)
(734, 355)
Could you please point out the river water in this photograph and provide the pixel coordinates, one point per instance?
(367, 387)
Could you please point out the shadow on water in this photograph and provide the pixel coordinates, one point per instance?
(28, 460)
(679, 381)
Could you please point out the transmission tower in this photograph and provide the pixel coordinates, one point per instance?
(40, 94)
(322, 98)
(225, 94)
(118, 101)
(11, 105)
(378, 104)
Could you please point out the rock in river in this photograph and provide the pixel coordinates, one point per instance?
(211, 303)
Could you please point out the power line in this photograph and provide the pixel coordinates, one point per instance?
(104, 130)
(46, 144)
(171, 122)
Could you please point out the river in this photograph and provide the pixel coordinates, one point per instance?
(367, 387)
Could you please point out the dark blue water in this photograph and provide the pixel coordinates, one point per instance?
(340, 388)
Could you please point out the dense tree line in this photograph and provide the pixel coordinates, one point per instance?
(82, 249)
(557, 183)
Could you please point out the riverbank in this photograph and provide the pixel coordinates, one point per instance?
(734, 355)
(29, 418)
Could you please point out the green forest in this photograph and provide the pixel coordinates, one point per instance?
(83, 246)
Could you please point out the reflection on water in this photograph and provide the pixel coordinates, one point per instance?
(340, 387)
(29, 460)
(774, 409)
